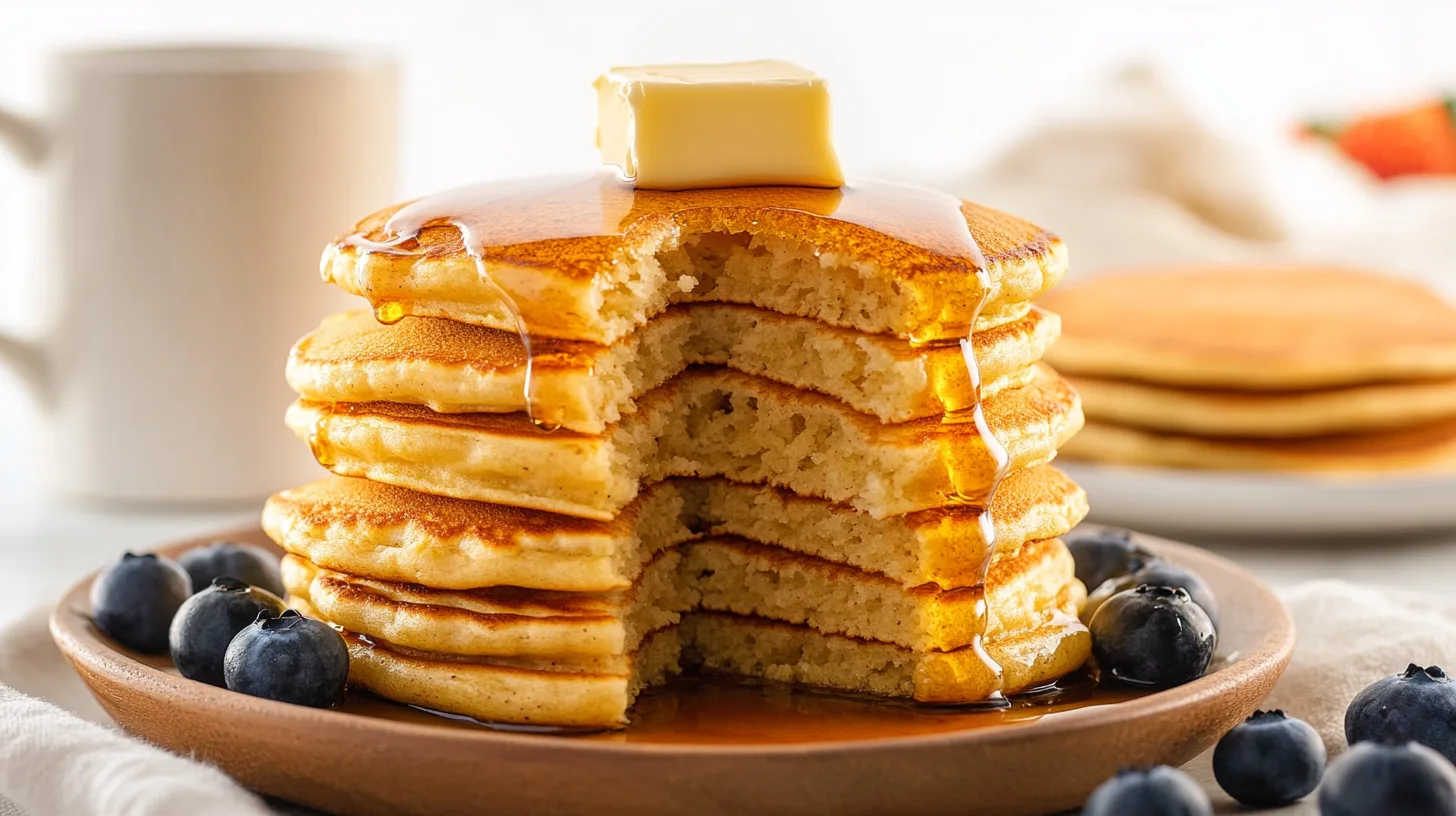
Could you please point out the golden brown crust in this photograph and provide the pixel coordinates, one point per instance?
(579, 229)
(341, 501)
(1428, 448)
(1256, 328)
(592, 259)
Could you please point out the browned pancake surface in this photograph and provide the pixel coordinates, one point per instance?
(578, 229)
(1253, 327)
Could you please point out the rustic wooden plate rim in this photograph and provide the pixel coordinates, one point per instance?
(81, 643)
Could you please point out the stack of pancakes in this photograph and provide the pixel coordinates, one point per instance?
(1303, 369)
(738, 434)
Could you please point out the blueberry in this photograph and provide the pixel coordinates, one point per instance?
(1417, 704)
(289, 658)
(134, 599)
(1105, 553)
(1155, 791)
(248, 563)
(1377, 779)
(1152, 636)
(1269, 760)
(207, 622)
(1156, 573)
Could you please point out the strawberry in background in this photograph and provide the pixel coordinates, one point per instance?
(1419, 140)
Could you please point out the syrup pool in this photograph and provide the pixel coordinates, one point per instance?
(721, 711)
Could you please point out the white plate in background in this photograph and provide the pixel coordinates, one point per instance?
(1251, 503)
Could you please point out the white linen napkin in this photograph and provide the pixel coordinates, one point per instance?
(1348, 636)
(57, 763)
(64, 758)
(1130, 175)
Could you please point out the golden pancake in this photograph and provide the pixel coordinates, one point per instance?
(499, 621)
(1272, 414)
(1008, 661)
(592, 259)
(705, 422)
(720, 573)
(1429, 448)
(739, 576)
(456, 368)
(1032, 635)
(513, 691)
(490, 691)
(1278, 329)
(391, 534)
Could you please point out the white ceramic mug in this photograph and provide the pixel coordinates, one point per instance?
(191, 191)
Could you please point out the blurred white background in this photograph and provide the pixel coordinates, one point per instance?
(921, 89)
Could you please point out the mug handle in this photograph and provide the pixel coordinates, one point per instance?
(28, 140)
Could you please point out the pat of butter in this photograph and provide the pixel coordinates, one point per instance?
(676, 127)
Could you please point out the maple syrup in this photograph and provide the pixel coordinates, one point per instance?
(715, 710)
(389, 312)
(489, 220)
(318, 441)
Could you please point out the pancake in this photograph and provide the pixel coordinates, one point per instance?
(456, 368)
(497, 692)
(705, 422)
(785, 653)
(744, 578)
(1428, 449)
(1273, 414)
(720, 573)
(396, 535)
(500, 621)
(393, 534)
(521, 692)
(1274, 329)
(592, 259)
(1033, 633)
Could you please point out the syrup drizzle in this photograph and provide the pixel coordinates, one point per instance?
(488, 218)
(318, 441)
(999, 456)
(716, 710)
(468, 210)
(494, 218)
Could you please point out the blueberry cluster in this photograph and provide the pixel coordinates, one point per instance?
(217, 610)
(1402, 729)
(1153, 624)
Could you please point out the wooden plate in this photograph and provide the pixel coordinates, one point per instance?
(770, 751)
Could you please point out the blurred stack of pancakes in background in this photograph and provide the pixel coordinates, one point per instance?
(591, 436)
(1304, 369)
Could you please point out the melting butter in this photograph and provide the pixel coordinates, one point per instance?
(742, 124)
